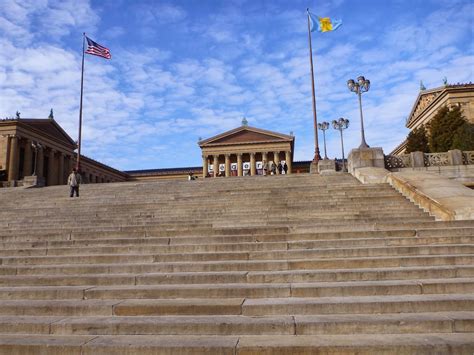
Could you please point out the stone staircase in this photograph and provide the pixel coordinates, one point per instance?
(293, 264)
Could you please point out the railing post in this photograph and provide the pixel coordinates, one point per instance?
(455, 157)
(417, 159)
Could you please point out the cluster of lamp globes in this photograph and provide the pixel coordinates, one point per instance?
(358, 87)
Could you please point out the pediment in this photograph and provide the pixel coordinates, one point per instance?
(50, 128)
(424, 99)
(245, 135)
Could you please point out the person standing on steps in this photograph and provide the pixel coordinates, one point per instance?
(280, 168)
(74, 180)
(285, 168)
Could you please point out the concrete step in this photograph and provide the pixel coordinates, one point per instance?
(248, 290)
(351, 305)
(237, 306)
(404, 323)
(149, 256)
(301, 276)
(238, 265)
(147, 245)
(422, 344)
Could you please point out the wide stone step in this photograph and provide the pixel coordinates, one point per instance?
(353, 305)
(241, 306)
(293, 254)
(423, 344)
(147, 245)
(301, 276)
(247, 290)
(241, 265)
(404, 323)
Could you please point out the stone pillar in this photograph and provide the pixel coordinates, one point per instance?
(265, 160)
(216, 165)
(227, 165)
(51, 180)
(252, 164)
(417, 159)
(40, 162)
(13, 160)
(276, 158)
(204, 166)
(28, 159)
(69, 164)
(365, 157)
(239, 164)
(61, 169)
(455, 157)
(288, 161)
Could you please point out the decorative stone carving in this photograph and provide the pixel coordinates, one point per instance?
(397, 161)
(436, 159)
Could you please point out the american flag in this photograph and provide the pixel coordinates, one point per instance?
(96, 49)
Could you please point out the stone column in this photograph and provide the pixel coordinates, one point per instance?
(288, 160)
(239, 164)
(28, 159)
(216, 165)
(204, 166)
(40, 162)
(13, 160)
(69, 164)
(61, 169)
(276, 158)
(51, 180)
(252, 164)
(227, 165)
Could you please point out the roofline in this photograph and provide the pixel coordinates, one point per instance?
(235, 130)
(441, 89)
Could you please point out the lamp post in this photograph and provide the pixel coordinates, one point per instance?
(323, 126)
(341, 124)
(362, 85)
(36, 146)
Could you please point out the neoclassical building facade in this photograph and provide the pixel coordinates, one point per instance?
(242, 151)
(430, 101)
(41, 148)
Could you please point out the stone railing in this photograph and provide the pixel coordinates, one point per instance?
(420, 159)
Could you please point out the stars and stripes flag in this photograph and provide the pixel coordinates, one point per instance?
(95, 48)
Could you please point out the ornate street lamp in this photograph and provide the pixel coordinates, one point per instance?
(362, 85)
(323, 126)
(36, 146)
(341, 124)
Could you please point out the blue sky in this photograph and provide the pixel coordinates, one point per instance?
(186, 69)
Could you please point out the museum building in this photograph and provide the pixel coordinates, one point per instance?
(41, 149)
(428, 103)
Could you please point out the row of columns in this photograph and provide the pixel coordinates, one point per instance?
(253, 168)
(54, 176)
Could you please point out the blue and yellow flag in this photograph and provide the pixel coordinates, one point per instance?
(323, 24)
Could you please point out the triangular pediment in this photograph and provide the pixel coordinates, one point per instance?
(49, 127)
(246, 135)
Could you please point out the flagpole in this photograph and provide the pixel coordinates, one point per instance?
(80, 106)
(316, 143)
